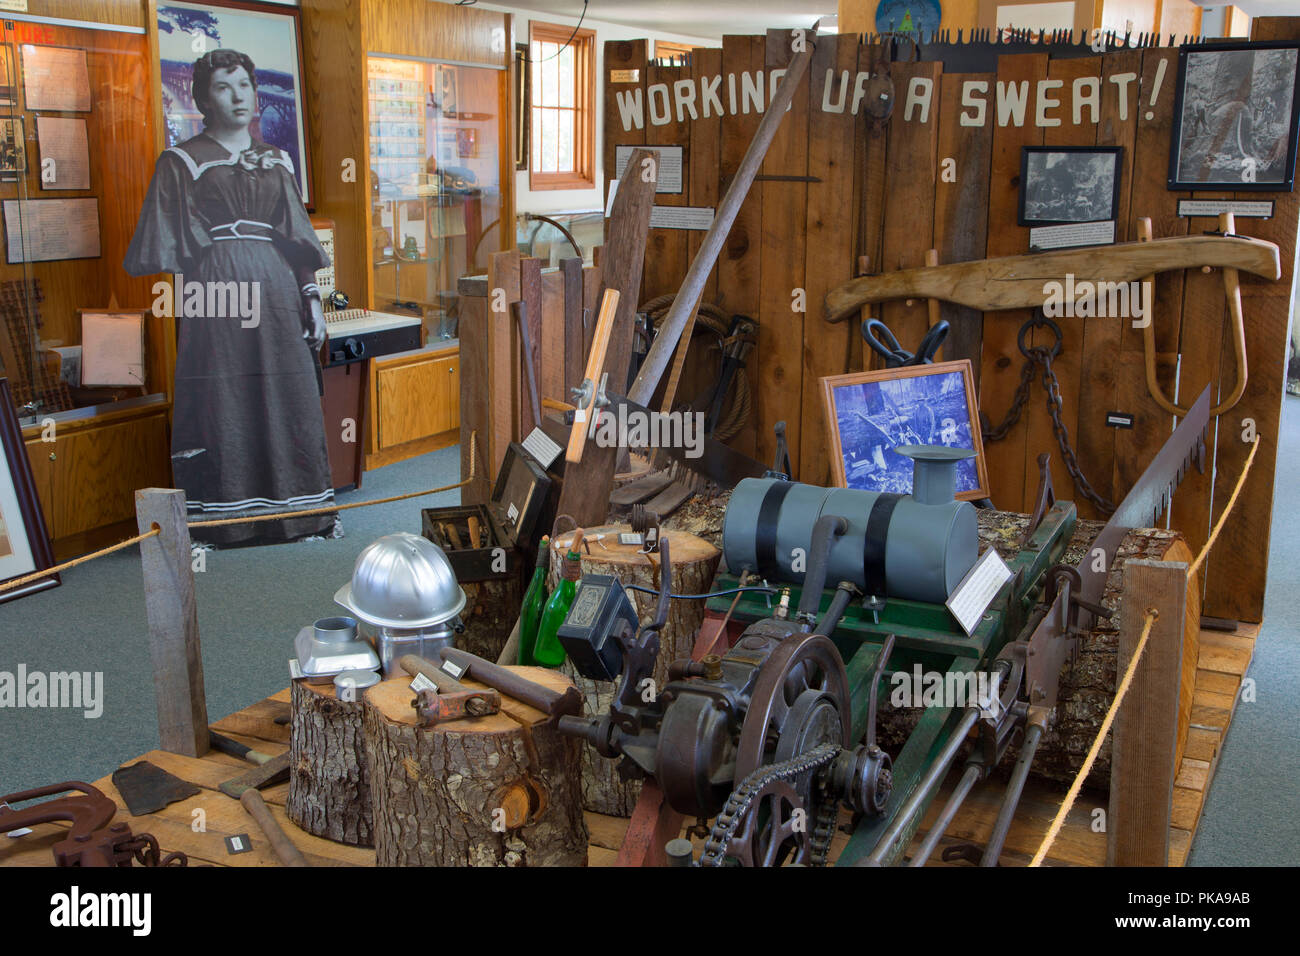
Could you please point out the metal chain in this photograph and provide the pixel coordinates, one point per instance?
(738, 804)
(144, 848)
(1038, 356)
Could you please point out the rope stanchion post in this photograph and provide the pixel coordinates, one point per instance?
(1144, 741)
(173, 622)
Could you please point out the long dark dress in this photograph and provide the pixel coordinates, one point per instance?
(247, 430)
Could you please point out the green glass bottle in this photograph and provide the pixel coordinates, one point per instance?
(548, 651)
(530, 615)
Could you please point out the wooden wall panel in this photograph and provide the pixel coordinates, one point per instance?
(900, 206)
(666, 254)
(781, 264)
(126, 13)
(1009, 461)
(961, 207)
(739, 276)
(828, 259)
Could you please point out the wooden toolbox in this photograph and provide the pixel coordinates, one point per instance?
(472, 534)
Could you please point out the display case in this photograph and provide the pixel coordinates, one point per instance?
(434, 149)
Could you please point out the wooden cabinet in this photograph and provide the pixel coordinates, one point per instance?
(415, 403)
(87, 476)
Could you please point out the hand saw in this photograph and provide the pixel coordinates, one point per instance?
(1056, 636)
(1017, 282)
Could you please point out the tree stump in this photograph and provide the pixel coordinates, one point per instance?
(329, 777)
(694, 563)
(488, 791)
(491, 609)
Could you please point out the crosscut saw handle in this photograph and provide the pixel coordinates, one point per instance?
(587, 392)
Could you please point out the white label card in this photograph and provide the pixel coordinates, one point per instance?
(681, 217)
(452, 668)
(1246, 208)
(295, 669)
(972, 597)
(420, 682)
(1072, 234)
(539, 445)
(670, 166)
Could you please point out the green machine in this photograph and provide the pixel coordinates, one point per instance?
(765, 742)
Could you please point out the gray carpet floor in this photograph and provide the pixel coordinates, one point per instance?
(252, 601)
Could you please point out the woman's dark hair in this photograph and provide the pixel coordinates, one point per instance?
(210, 63)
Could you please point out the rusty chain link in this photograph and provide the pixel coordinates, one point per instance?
(1040, 357)
(144, 848)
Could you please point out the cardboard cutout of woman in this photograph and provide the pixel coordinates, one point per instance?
(223, 210)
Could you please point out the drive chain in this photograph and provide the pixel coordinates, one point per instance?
(739, 804)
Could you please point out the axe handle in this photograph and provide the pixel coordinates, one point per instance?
(595, 365)
(287, 853)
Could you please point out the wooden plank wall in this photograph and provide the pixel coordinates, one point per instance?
(886, 194)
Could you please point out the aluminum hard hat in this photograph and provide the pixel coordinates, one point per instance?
(402, 581)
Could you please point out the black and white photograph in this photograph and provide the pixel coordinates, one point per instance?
(869, 414)
(1235, 118)
(13, 150)
(1065, 184)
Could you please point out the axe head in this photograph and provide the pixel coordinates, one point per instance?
(275, 770)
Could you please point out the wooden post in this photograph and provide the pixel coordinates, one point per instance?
(1144, 738)
(173, 622)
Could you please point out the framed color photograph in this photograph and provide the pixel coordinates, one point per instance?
(271, 36)
(1069, 184)
(1235, 117)
(869, 414)
(24, 542)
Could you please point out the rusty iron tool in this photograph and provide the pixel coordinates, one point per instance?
(93, 839)
(275, 770)
(452, 699)
(285, 851)
(513, 684)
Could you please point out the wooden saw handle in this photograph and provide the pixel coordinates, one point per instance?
(595, 365)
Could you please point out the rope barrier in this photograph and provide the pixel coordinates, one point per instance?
(58, 568)
(1151, 615)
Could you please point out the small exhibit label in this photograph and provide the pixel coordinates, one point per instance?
(1072, 234)
(452, 668)
(631, 538)
(295, 669)
(1119, 420)
(239, 843)
(681, 217)
(1246, 208)
(977, 589)
(539, 445)
(625, 76)
(421, 682)
(670, 165)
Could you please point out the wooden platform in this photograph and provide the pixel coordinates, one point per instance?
(1224, 658)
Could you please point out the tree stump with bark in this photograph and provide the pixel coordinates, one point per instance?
(329, 776)
(694, 563)
(500, 790)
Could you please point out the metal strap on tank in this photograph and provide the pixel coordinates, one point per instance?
(873, 544)
(765, 534)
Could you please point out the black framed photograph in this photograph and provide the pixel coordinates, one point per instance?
(1235, 117)
(869, 414)
(1061, 185)
(268, 34)
(24, 542)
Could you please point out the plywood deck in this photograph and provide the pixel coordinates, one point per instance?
(198, 826)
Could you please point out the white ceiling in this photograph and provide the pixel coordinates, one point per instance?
(707, 19)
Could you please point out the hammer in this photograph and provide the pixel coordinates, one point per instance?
(451, 700)
(512, 684)
(246, 789)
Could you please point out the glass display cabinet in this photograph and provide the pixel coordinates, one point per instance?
(434, 182)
